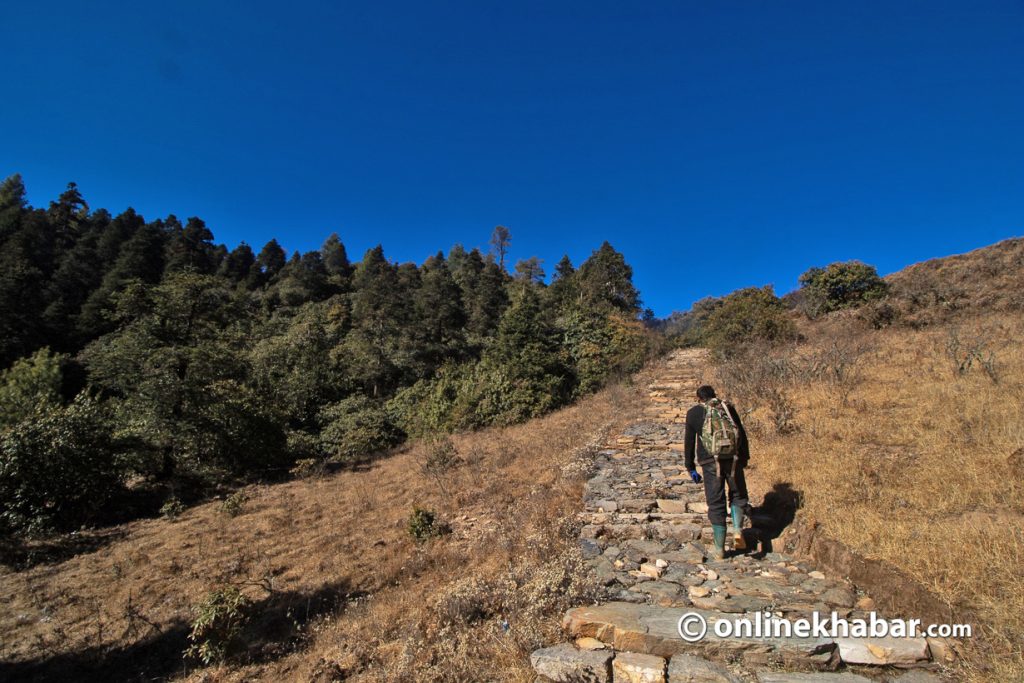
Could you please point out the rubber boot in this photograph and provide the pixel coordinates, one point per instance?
(738, 542)
(718, 550)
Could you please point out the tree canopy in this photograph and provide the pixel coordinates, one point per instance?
(134, 349)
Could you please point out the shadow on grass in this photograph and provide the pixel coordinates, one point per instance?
(776, 512)
(276, 627)
(19, 554)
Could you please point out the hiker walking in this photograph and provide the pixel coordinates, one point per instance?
(716, 439)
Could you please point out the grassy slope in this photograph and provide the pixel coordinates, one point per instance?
(919, 465)
(914, 466)
(352, 592)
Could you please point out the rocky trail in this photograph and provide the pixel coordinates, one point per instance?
(644, 535)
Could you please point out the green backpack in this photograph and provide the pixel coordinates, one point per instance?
(719, 435)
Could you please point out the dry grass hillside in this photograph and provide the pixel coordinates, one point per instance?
(907, 443)
(339, 588)
(984, 280)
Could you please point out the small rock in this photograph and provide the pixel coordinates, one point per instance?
(699, 592)
(865, 604)
(816, 575)
(631, 597)
(838, 596)
(603, 569)
(712, 575)
(712, 602)
(660, 563)
(631, 667)
(882, 651)
(639, 576)
(590, 644)
(941, 650)
(661, 593)
(675, 506)
(651, 570)
(565, 664)
(590, 548)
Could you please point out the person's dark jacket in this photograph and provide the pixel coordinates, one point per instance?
(696, 450)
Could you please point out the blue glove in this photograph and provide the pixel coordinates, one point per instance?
(696, 477)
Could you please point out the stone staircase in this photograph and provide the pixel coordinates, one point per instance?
(644, 535)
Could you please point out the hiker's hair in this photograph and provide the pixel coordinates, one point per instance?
(705, 393)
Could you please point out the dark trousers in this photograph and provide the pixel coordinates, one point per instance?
(715, 484)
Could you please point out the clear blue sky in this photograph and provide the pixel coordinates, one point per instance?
(795, 133)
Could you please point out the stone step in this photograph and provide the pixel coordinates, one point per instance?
(566, 663)
(644, 532)
(654, 630)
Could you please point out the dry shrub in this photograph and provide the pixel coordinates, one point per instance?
(966, 351)
(758, 377)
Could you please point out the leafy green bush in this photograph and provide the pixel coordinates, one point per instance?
(219, 619)
(428, 406)
(602, 346)
(57, 468)
(747, 316)
(687, 329)
(172, 508)
(840, 285)
(29, 383)
(424, 525)
(233, 504)
(507, 394)
(307, 468)
(355, 427)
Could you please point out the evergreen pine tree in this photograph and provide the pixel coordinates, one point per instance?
(335, 260)
(237, 266)
(12, 206)
(563, 291)
(190, 249)
(606, 281)
(440, 317)
(374, 344)
(487, 302)
(271, 261)
(141, 258)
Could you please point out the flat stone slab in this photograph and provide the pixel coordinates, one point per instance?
(637, 504)
(654, 630)
(883, 651)
(817, 677)
(684, 668)
(563, 663)
(918, 676)
(632, 667)
(672, 506)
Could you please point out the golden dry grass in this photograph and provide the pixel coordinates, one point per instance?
(352, 593)
(916, 466)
